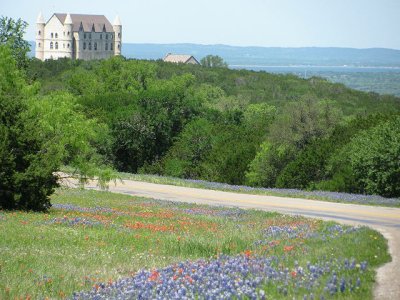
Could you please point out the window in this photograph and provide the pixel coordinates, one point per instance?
(64, 45)
(111, 47)
(106, 36)
(39, 33)
(84, 46)
(119, 34)
(111, 36)
(68, 33)
(52, 35)
(68, 45)
(56, 45)
(90, 36)
(51, 45)
(84, 35)
(95, 46)
(106, 46)
(119, 46)
(39, 45)
(56, 35)
(101, 36)
(90, 46)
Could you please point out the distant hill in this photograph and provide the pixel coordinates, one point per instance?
(262, 56)
(375, 69)
(271, 56)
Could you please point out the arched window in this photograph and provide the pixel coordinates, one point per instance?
(84, 46)
(39, 45)
(68, 45)
(84, 35)
(52, 35)
(95, 46)
(51, 45)
(68, 33)
(106, 46)
(39, 33)
(106, 36)
(56, 35)
(101, 36)
(119, 34)
(56, 45)
(90, 46)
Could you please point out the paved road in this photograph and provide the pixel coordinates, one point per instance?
(386, 220)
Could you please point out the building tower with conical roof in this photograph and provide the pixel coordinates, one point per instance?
(118, 35)
(68, 37)
(40, 24)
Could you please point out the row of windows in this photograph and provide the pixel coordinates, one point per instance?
(55, 45)
(101, 36)
(53, 35)
(95, 46)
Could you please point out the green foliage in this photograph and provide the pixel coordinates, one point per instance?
(266, 166)
(38, 135)
(213, 61)
(12, 34)
(303, 121)
(208, 123)
(27, 179)
(190, 150)
(375, 159)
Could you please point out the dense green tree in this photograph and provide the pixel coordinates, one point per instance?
(213, 61)
(38, 135)
(267, 164)
(26, 180)
(303, 121)
(12, 34)
(375, 159)
(185, 157)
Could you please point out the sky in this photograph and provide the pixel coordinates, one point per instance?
(269, 23)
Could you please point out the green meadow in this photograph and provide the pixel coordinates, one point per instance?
(91, 239)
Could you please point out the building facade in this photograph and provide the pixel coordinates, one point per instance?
(78, 37)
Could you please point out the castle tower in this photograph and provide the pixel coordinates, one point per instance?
(40, 24)
(68, 36)
(118, 36)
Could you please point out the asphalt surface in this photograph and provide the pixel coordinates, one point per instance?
(384, 219)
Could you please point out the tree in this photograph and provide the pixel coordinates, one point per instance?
(213, 61)
(12, 34)
(38, 135)
(25, 183)
(375, 159)
(303, 121)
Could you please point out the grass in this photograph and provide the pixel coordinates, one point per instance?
(90, 240)
(373, 200)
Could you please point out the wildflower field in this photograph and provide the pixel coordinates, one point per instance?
(99, 245)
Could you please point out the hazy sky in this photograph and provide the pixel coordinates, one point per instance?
(285, 23)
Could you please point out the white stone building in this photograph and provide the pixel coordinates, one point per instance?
(78, 37)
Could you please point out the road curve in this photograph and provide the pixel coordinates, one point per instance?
(384, 219)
